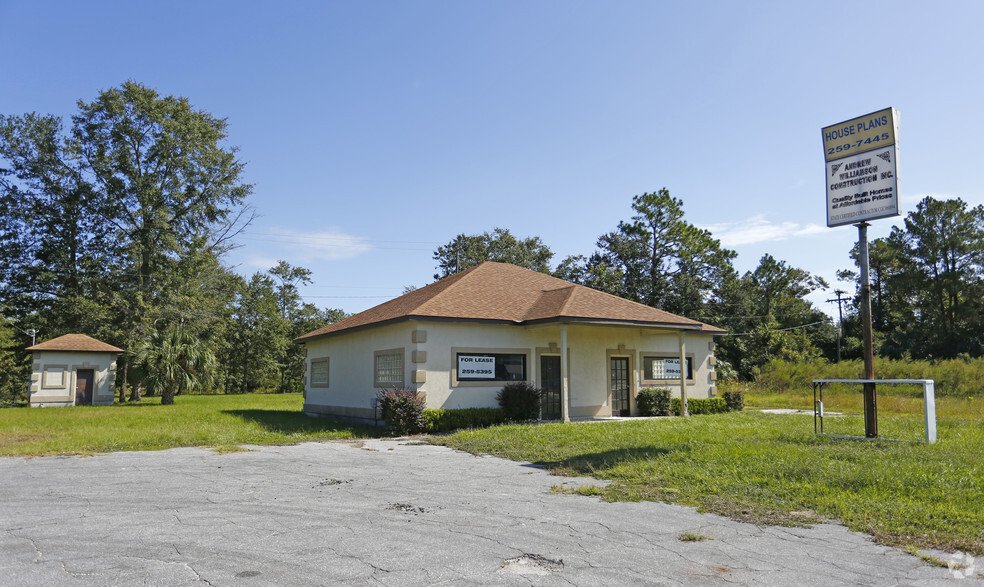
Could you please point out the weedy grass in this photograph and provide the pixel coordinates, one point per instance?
(772, 469)
(693, 537)
(222, 421)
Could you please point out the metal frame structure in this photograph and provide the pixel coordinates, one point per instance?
(929, 400)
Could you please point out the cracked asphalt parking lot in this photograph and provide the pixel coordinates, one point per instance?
(387, 512)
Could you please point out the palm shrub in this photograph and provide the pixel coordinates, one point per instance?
(403, 410)
(653, 401)
(171, 361)
(520, 401)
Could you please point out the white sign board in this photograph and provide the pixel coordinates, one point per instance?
(671, 368)
(862, 168)
(476, 367)
(862, 187)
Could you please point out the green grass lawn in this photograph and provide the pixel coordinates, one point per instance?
(221, 421)
(767, 468)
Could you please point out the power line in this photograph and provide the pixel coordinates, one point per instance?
(355, 239)
(778, 329)
(32, 332)
(741, 316)
(345, 297)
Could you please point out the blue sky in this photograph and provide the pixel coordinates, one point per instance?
(376, 131)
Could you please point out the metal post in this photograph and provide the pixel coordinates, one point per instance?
(870, 397)
(929, 405)
(565, 413)
(683, 375)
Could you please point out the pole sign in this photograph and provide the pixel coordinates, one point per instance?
(862, 168)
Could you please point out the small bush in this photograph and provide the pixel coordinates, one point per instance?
(403, 410)
(734, 400)
(448, 420)
(700, 406)
(653, 401)
(725, 372)
(520, 401)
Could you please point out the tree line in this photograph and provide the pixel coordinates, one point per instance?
(116, 225)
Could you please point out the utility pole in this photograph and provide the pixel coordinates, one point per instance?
(840, 319)
(33, 333)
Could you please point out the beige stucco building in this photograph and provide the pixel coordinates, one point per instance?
(73, 370)
(461, 339)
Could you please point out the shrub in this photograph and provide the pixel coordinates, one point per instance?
(520, 401)
(403, 410)
(700, 406)
(447, 420)
(734, 400)
(653, 401)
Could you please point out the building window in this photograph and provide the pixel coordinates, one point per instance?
(389, 368)
(491, 366)
(664, 368)
(319, 372)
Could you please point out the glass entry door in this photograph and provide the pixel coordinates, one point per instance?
(550, 387)
(620, 386)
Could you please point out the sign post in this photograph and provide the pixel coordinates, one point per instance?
(861, 158)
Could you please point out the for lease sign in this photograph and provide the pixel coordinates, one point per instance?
(476, 367)
(862, 168)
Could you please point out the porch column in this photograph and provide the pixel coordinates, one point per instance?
(565, 413)
(683, 375)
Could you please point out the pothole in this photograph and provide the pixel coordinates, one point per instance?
(328, 482)
(532, 564)
(406, 507)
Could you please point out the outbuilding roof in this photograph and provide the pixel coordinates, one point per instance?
(505, 293)
(76, 343)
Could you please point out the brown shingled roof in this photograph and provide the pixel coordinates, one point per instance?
(75, 342)
(501, 292)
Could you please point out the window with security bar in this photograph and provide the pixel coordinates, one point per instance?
(319, 372)
(389, 368)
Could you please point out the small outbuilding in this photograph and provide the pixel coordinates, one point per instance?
(461, 339)
(73, 370)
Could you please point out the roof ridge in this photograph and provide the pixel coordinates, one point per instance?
(454, 280)
(569, 297)
(660, 310)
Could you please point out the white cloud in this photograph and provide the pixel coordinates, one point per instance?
(302, 247)
(757, 230)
